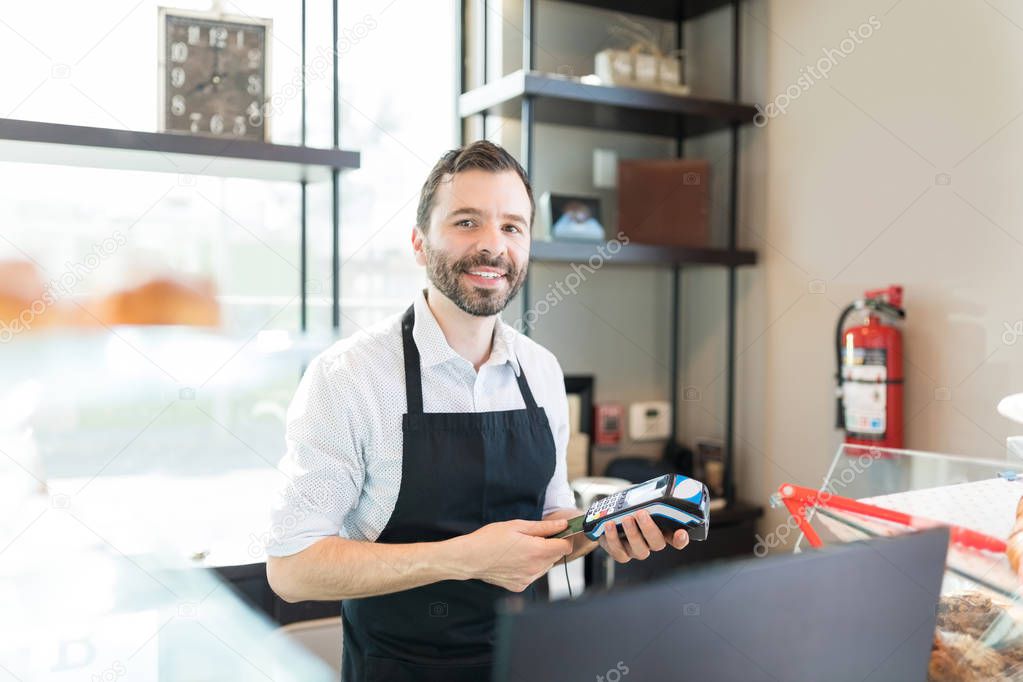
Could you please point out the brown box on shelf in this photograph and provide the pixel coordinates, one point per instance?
(665, 201)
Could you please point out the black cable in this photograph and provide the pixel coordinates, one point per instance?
(564, 562)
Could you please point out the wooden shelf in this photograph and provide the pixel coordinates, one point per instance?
(669, 10)
(638, 254)
(567, 101)
(70, 145)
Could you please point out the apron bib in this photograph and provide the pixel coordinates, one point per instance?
(460, 471)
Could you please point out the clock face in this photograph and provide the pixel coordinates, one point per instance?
(214, 77)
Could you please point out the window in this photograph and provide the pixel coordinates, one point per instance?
(96, 65)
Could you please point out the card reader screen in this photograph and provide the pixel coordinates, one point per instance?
(650, 490)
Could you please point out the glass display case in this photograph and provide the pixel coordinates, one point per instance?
(134, 460)
(162, 438)
(980, 614)
(77, 608)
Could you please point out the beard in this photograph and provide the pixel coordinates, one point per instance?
(446, 274)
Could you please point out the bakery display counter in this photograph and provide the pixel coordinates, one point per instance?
(979, 633)
(77, 608)
(136, 464)
(159, 437)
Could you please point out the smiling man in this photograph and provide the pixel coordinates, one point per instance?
(426, 456)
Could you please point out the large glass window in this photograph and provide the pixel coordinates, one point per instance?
(95, 64)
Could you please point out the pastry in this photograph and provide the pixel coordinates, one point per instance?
(964, 658)
(960, 650)
(162, 301)
(1014, 545)
(968, 613)
(25, 303)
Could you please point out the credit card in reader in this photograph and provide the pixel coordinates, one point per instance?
(674, 501)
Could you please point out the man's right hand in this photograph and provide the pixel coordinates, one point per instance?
(513, 554)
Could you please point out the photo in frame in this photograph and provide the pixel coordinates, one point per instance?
(567, 217)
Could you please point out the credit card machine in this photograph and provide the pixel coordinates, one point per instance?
(674, 501)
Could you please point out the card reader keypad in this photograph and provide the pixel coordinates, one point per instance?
(606, 506)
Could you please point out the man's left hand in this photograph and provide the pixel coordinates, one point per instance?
(642, 536)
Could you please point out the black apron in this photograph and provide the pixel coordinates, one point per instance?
(460, 471)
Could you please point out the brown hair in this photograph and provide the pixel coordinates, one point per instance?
(479, 155)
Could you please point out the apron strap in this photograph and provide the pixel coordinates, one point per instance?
(413, 377)
(413, 374)
(527, 395)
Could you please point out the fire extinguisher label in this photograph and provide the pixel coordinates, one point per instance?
(865, 393)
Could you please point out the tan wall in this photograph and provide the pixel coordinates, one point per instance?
(856, 197)
(842, 191)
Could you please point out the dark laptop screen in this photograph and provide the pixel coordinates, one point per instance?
(861, 611)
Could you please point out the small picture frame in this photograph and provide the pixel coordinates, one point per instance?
(710, 464)
(573, 218)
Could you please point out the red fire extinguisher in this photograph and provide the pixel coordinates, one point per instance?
(870, 377)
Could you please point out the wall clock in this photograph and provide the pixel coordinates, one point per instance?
(214, 74)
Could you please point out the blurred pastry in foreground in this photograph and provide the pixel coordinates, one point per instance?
(20, 284)
(969, 643)
(969, 613)
(1014, 545)
(25, 302)
(162, 301)
(956, 657)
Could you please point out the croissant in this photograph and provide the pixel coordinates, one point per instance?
(1014, 545)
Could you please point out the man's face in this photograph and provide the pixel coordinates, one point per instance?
(476, 249)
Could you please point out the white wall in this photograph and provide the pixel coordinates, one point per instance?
(852, 199)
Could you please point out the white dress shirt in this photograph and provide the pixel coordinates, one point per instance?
(344, 436)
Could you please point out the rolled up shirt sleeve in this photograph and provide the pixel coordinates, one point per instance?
(323, 465)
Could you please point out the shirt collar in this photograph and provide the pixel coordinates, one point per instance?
(434, 348)
(503, 349)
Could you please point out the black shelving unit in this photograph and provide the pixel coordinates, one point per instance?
(39, 142)
(72, 145)
(668, 10)
(567, 101)
(535, 97)
(640, 254)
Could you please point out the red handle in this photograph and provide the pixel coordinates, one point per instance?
(798, 499)
(892, 294)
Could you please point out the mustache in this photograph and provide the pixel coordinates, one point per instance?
(470, 262)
